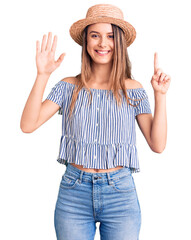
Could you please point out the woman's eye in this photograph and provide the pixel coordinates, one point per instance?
(94, 35)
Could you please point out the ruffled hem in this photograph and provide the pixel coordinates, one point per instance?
(99, 156)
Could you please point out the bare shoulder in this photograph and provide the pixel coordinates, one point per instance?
(72, 80)
(132, 84)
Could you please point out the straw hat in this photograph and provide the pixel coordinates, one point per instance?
(103, 13)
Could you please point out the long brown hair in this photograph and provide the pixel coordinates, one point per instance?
(121, 68)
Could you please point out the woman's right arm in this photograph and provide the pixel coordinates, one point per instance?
(36, 112)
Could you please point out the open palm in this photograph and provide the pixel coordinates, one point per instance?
(45, 56)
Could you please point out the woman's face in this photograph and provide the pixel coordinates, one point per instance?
(100, 42)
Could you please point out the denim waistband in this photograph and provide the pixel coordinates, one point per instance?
(116, 174)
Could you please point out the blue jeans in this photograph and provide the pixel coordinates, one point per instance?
(86, 198)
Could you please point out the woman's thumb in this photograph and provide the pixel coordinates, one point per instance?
(60, 59)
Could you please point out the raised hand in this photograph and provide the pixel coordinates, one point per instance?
(160, 81)
(45, 56)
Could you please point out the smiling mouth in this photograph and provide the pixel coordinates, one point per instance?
(103, 53)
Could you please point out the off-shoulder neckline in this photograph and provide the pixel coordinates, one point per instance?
(104, 90)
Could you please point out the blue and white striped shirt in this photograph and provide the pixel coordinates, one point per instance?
(99, 135)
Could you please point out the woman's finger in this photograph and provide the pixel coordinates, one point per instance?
(43, 45)
(54, 44)
(37, 46)
(49, 41)
(60, 59)
(159, 72)
(162, 76)
(156, 65)
(167, 77)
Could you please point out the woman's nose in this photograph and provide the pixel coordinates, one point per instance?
(103, 42)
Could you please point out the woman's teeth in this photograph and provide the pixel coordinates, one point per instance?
(102, 52)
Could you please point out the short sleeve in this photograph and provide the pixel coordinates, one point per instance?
(57, 94)
(143, 105)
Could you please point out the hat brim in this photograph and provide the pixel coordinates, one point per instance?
(77, 28)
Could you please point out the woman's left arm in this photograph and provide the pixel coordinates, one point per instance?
(154, 128)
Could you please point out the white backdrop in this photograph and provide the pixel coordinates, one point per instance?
(29, 172)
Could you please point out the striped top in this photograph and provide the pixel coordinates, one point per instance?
(99, 135)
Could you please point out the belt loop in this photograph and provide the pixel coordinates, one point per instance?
(81, 174)
(109, 180)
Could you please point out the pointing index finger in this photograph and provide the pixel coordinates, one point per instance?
(156, 65)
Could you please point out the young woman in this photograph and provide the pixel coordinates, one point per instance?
(98, 143)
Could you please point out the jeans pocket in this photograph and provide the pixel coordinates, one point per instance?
(123, 184)
(68, 181)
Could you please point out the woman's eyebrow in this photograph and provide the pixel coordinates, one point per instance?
(98, 32)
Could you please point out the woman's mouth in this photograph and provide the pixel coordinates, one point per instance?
(102, 53)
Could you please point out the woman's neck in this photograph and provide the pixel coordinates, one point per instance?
(100, 74)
